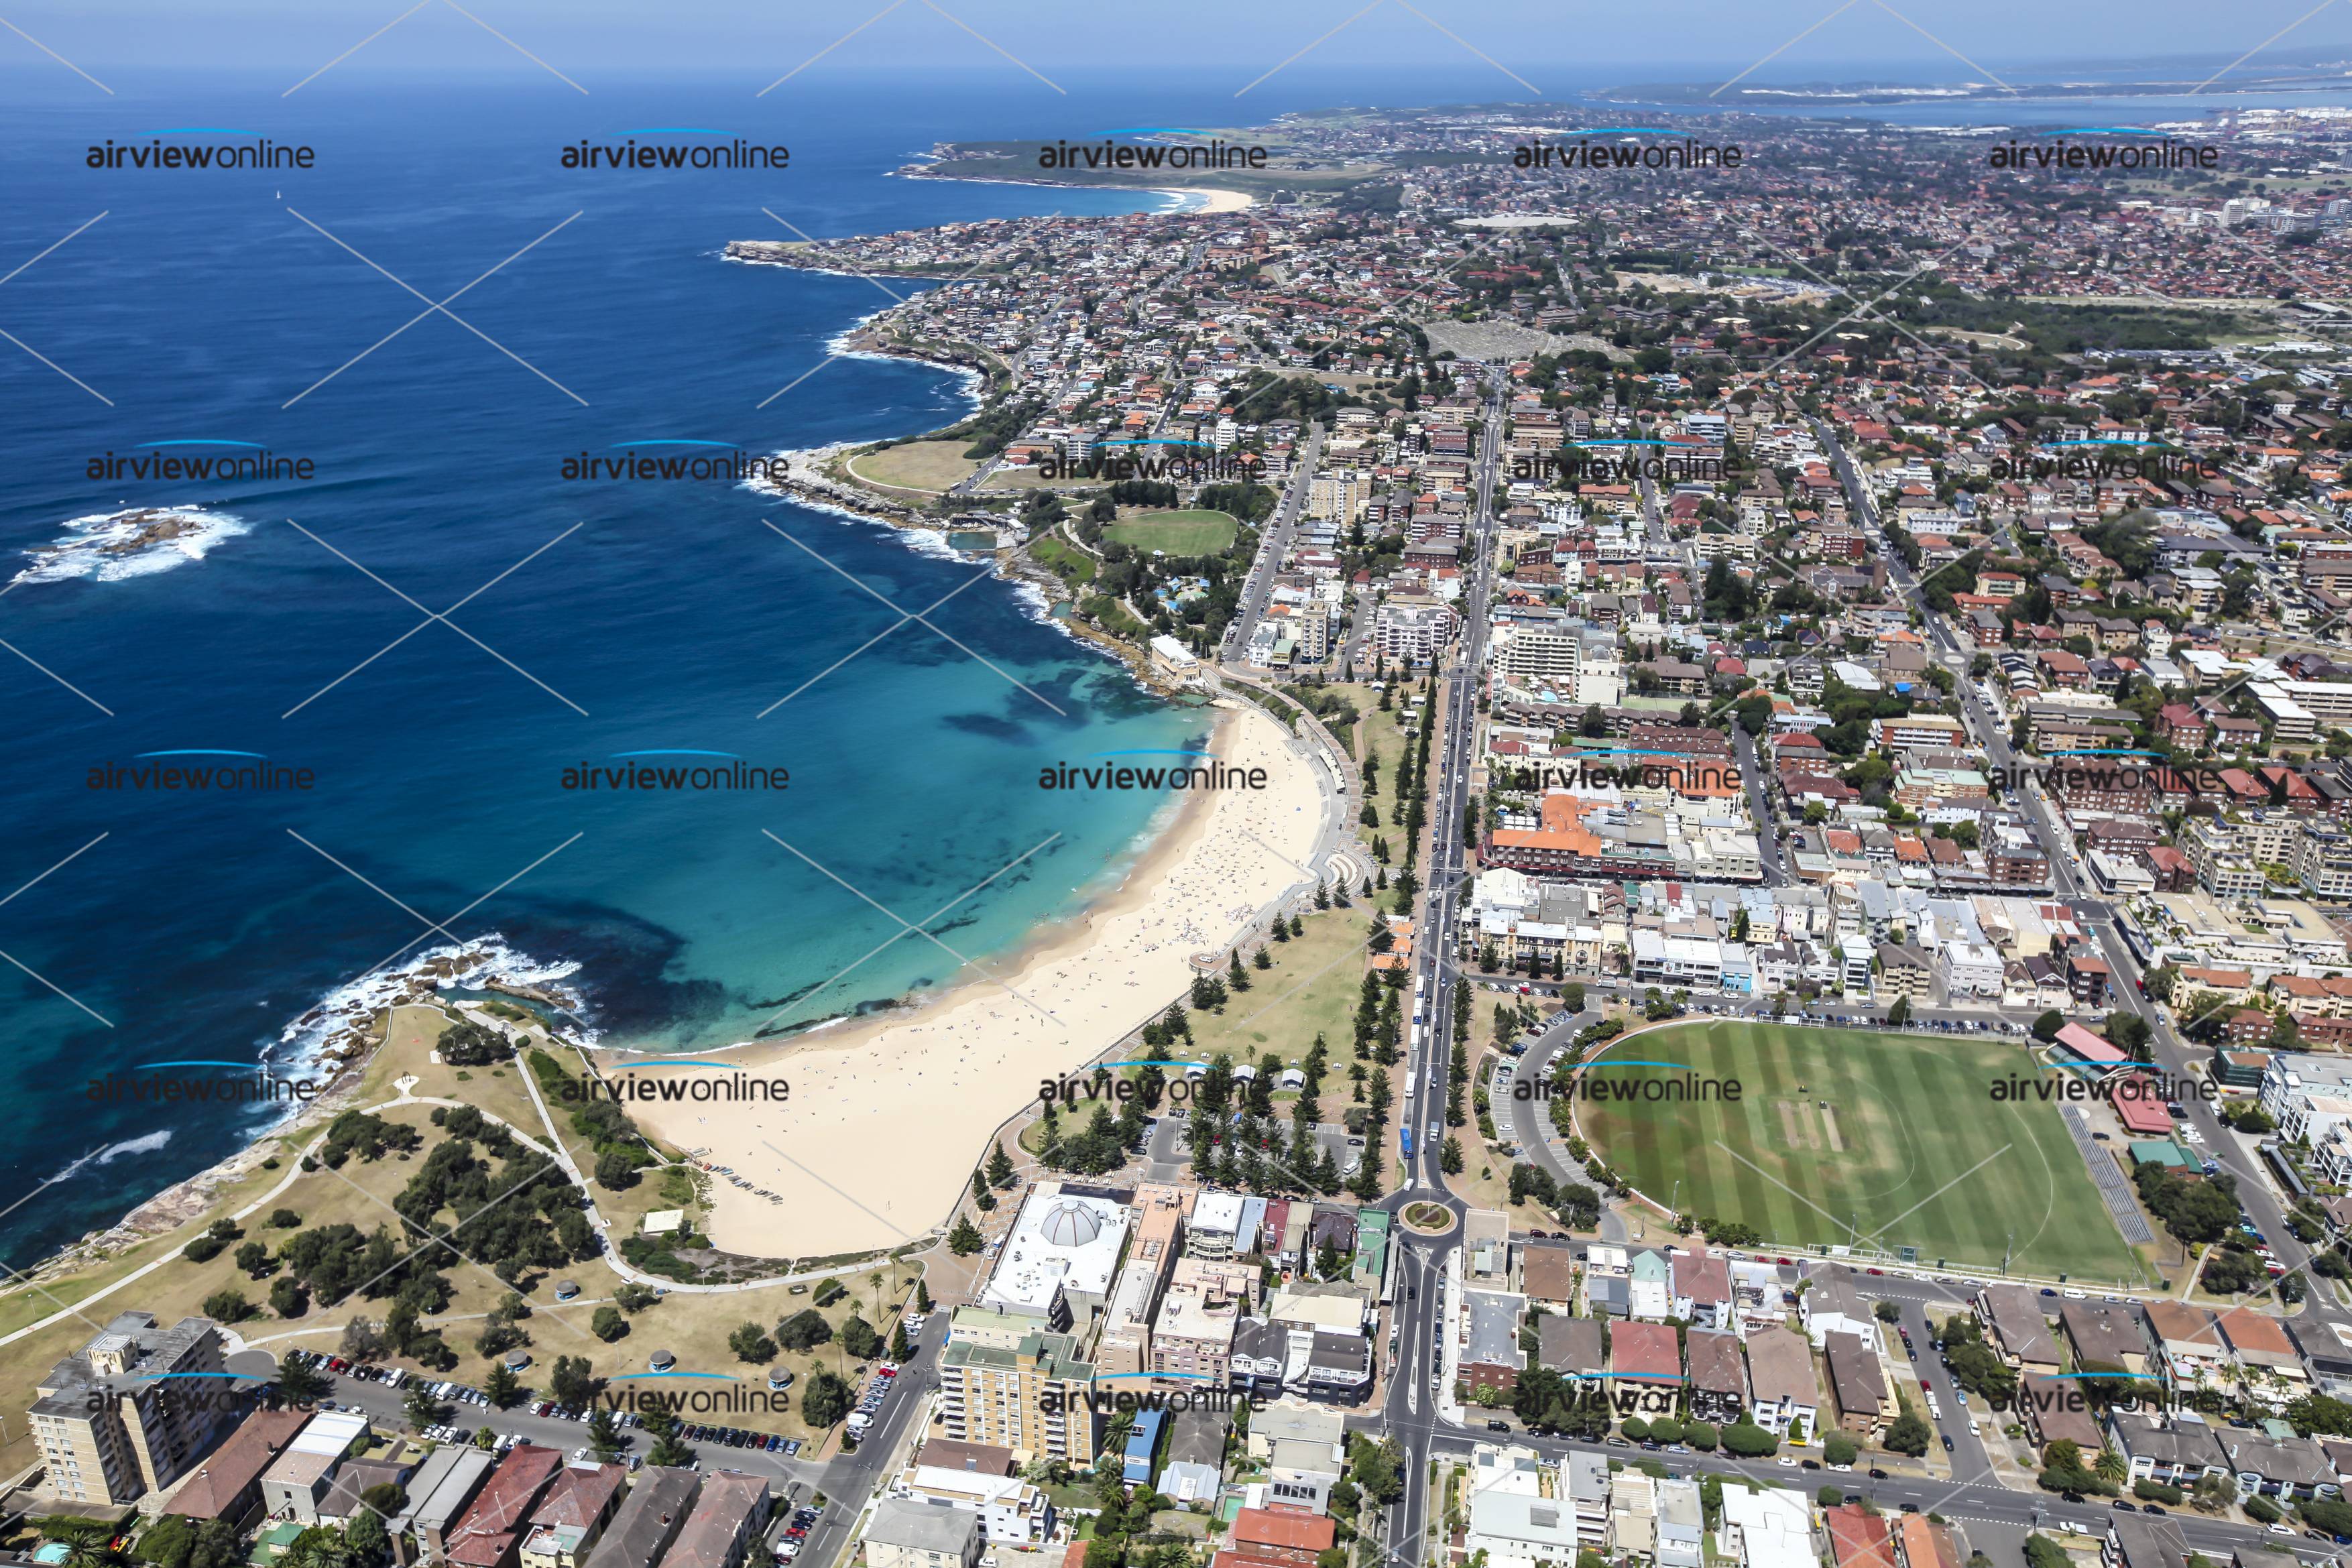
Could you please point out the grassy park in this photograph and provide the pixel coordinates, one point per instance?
(933, 466)
(1178, 533)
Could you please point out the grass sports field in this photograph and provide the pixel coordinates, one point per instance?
(1178, 533)
(1892, 1140)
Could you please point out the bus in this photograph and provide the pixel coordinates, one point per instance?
(1405, 1135)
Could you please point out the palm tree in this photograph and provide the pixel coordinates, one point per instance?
(2109, 1466)
(88, 1546)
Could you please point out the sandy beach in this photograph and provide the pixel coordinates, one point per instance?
(897, 1112)
(1222, 201)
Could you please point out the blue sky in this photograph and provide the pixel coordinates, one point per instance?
(1571, 42)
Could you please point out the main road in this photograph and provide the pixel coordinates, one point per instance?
(1415, 1370)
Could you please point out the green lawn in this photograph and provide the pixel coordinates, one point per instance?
(1178, 533)
(1311, 989)
(1065, 560)
(1897, 1135)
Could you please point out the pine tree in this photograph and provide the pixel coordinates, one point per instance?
(1259, 959)
(1236, 977)
(999, 1167)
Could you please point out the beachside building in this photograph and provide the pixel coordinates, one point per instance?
(906, 1533)
(657, 1509)
(113, 1423)
(725, 1523)
(291, 1488)
(1031, 1399)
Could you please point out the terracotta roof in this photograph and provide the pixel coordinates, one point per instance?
(1293, 1532)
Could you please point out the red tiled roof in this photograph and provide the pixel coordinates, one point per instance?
(1293, 1532)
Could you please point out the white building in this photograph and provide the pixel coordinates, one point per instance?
(1766, 1529)
(2307, 1096)
(1415, 629)
(1681, 1525)
(1511, 1519)
(1010, 1509)
(1060, 1255)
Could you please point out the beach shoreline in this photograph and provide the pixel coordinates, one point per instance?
(1218, 199)
(932, 1083)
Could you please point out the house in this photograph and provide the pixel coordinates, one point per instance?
(1519, 1520)
(1633, 1516)
(2271, 1372)
(1702, 1288)
(658, 1502)
(345, 1496)
(1547, 1274)
(1770, 1527)
(1301, 1446)
(2017, 1329)
(2274, 1462)
(1681, 1525)
(572, 1514)
(904, 1533)
(442, 1490)
(1717, 1374)
(490, 1534)
(1923, 1543)
(726, 1523)
(1645, 1367)
(227, 1484)
(2104, 1338)
(2178, 1453)
(1192, 1476)
(1859, 1537)
(1570, 1346)
(2134, 1542)
(2190, 1353)
(1260, 1539)
(2051, 1407)
(1781, 1380)
(1833, 1305)
(293, 1486)
(1491, 1356)
(1857, 1385)
(1649, 1287)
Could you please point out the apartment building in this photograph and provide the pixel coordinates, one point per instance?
(112, 1422)
(1031, 1399)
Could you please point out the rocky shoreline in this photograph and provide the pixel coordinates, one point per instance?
(807, 479)
(342, 1036)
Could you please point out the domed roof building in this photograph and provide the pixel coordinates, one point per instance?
(1059, 1257)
